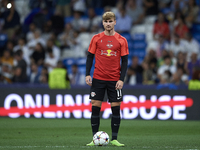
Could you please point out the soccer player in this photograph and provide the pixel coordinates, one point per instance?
(109, 48)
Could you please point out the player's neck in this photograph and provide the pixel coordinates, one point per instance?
(109, 33)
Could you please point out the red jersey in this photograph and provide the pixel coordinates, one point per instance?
(162, 29)
(108, 51)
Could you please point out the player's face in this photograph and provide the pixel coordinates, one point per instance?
(109, 24)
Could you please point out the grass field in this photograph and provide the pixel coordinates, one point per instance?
(73, 134)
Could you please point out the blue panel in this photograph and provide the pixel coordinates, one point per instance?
(139, 37)
(139, 45)
(81, 61)
(68, 62)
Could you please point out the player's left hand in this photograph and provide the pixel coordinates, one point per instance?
(119, 85)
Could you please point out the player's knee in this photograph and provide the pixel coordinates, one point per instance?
(113, 104)
(96, 103)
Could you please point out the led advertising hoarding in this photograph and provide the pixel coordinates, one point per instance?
(75, 103)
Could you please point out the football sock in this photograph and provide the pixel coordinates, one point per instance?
(95, 119)
(115, 121)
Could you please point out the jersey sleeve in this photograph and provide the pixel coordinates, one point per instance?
(93, 45)
(124, 47)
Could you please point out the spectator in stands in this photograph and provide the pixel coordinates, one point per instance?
(134, 72)
(47, 30)
(22, 45)
(64, 7)
(181, 61)
(161, 27)
(176, 45)
(191, 12)
(181, 28)
(166, 70)
(150, 7)
(58, 77)
(75, 44)
(124, 22)
(78, 23)
(34, 75)
(178, 5)
(37, 39)
(55, 49)
(76, 78)
(79, 6)
(43, 78)
(6, 62)
(161, 59)
(158, 45)
(64, 36)
(51, 61)
(193, 64)
(135, 12)
(93, 20)
(38, 55)
(191, 46)
(10, 46)
(164, 5)
(11, 19)
(57, 22)
(30, 33)
(7, 58)
(20, 70)
(180, 77)
(149, 72)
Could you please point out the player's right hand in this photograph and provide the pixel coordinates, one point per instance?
(88, 80)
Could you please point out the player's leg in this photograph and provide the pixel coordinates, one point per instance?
(115, 98)
(97, 93)
(115, 120)
(115, 123)
(95, 118)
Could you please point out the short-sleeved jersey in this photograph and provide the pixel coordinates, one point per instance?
(108, 51)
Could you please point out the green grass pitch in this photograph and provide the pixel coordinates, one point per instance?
(74, 134)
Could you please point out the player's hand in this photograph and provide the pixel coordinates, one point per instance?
(88, 80)
(119, 85)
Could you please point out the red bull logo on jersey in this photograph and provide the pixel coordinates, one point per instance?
(109, 45)
(108, 52)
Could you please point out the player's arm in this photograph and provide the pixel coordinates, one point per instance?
(124, 64)
(89, 63)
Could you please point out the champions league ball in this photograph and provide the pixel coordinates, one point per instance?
(101, 138)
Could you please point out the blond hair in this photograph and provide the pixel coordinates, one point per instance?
(108, 15)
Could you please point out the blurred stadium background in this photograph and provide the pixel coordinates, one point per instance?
(162, 81)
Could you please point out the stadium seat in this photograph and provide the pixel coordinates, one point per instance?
(138, 29)
(139, 37)
(68, 19)
(81, 69)
(81, 61)
(99, 11)
(3, 40)
(195, 28)
(127, 36)
(139, 45)
(197, 36)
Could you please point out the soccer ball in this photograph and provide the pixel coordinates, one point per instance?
(101, 138)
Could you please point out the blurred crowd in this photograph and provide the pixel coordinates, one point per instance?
(37, 34)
